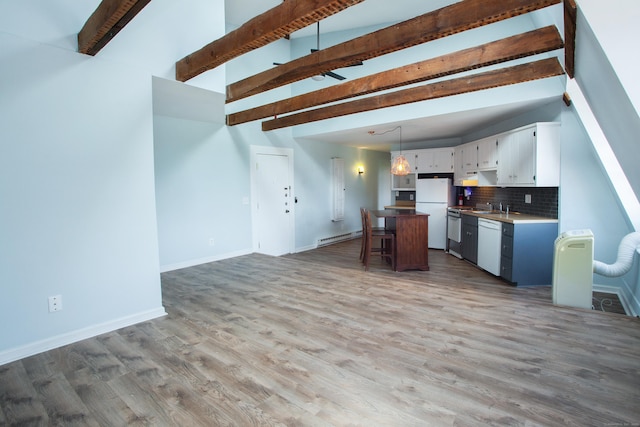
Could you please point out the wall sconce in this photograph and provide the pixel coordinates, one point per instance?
(360, 170)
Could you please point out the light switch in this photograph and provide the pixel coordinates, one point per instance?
(527, 198)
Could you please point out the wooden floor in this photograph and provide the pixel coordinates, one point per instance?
(312, 340)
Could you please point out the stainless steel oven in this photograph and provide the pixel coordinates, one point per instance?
(454, 232)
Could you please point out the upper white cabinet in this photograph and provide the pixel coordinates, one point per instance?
(434, 160)
(488, 153)
(428, 160)
(530, 156)
(470, 157)
(404, 182)
(410, 155)
(458, 164)
(525, 157)
(465, 164)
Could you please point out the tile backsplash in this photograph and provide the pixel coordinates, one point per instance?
(544, 200)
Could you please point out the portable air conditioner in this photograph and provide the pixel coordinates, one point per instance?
(573, 269)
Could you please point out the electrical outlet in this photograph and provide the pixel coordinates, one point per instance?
(212, 242)
(55, 303)
(527, 198)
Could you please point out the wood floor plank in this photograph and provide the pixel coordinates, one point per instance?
(63, 405)
(311, 339)
(19, 400)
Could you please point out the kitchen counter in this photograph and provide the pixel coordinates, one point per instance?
(511, 218)
(412, 237)
(401, 204)
(391, 207)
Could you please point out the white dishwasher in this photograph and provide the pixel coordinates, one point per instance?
(489, 245)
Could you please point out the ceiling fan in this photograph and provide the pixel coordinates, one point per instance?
(328, 73)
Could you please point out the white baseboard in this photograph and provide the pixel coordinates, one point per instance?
(306, 248)
(47, 344)
(199, 261)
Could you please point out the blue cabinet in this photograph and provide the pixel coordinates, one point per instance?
(470, 238)
(527, 253)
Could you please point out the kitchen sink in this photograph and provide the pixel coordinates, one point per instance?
(495, 212)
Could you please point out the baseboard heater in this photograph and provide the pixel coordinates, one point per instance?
(325, 241)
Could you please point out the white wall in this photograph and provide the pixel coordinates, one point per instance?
(202, 177)
(77, 211)
(202, 181)
(609, 96)
(76, 184)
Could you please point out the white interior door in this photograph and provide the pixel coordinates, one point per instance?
(273, 202)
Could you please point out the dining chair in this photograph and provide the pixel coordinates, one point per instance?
(375, 230)
(386, 243)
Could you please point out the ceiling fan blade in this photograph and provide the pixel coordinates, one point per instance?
(334, 75)
(328, 73)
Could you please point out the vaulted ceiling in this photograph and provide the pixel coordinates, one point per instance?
(408, 83)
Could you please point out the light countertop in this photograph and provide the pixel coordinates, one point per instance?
(513, 218)
(402, 204)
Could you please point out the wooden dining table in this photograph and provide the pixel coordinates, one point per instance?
(412, 237)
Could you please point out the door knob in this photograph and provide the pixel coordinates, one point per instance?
(287, 211)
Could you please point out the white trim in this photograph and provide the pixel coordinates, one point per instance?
(205, 260)
(47, 344)
(307, 248)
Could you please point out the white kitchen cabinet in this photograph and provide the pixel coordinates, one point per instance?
(488, 153)
(458, 165)
(404, 182)
(410, 155)
(434, 160)
(470, 157)
(465, 163)
(530, 156)
(442, 160)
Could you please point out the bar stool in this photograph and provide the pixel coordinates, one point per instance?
(386, 239)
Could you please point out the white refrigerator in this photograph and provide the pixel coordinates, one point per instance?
(434, 196)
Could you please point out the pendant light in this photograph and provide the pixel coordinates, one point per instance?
(400, 165)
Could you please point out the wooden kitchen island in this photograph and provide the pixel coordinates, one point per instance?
(412, 237)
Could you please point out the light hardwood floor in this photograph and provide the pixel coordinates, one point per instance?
(311, 339)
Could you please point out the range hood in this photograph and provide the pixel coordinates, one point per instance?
(470, 179)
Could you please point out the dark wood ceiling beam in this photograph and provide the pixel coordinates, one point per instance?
(522, 45)
(490, 79)
(440, 23)
(570, 16)
(266, 28)
(105, 22)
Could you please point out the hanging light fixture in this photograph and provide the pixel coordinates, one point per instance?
(400, 165)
